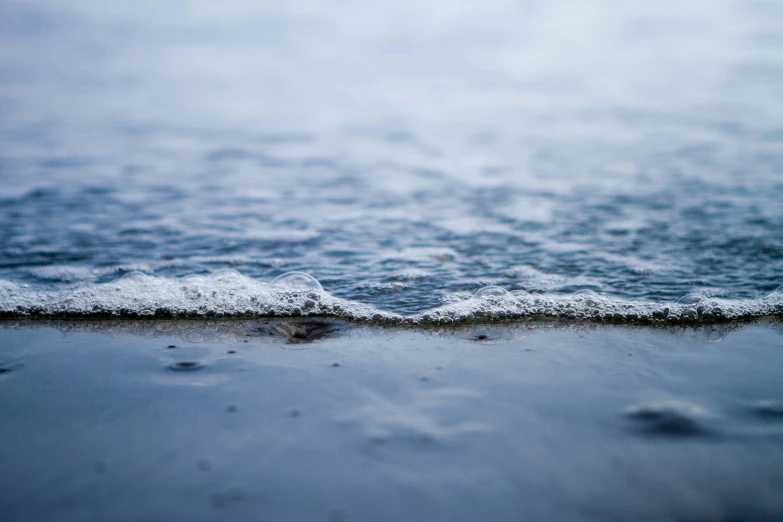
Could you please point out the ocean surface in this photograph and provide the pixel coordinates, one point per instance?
(614, 161)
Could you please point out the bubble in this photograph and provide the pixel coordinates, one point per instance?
(490, 291)
(226, 274)
(134, 276)
(691, 299)
(193, 279)
(293, 281)
(588, 297)
(776, 293)
(520, 294)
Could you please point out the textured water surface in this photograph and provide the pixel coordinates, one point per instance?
(405, 155)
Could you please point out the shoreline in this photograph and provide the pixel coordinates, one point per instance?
(110, 322)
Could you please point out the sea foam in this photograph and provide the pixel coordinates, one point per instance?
(228, 293)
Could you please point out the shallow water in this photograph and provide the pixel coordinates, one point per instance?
(405, 155)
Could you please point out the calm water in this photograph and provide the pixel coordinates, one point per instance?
(405, 154)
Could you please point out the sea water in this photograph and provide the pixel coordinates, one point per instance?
(583, 160)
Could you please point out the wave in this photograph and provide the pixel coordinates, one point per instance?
(227, 293)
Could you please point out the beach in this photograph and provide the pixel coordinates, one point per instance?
(401, 261)
(317, 419)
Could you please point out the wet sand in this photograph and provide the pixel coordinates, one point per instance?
(306, 421)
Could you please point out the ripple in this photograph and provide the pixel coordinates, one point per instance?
(769, 408)
(669, 417)
(185, 366)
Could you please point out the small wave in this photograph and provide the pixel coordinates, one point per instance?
(227, 293)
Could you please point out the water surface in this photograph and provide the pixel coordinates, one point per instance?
(405, 155)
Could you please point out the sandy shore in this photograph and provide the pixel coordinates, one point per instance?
(307, 421)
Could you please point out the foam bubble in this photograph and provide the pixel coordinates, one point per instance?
(296, 281)
(226, 274)
(134, 276)
(490, 291)
(231, 294)
(691, 299)
(588, 297)
(193, 279)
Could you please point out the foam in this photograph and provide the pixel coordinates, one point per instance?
(228, 293)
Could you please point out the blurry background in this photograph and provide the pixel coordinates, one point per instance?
(405, 153)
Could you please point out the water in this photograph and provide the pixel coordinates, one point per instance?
(404, 155)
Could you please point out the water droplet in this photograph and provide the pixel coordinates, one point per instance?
(490, 291)
(587, 293)
(292, 281)
(520, 294)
